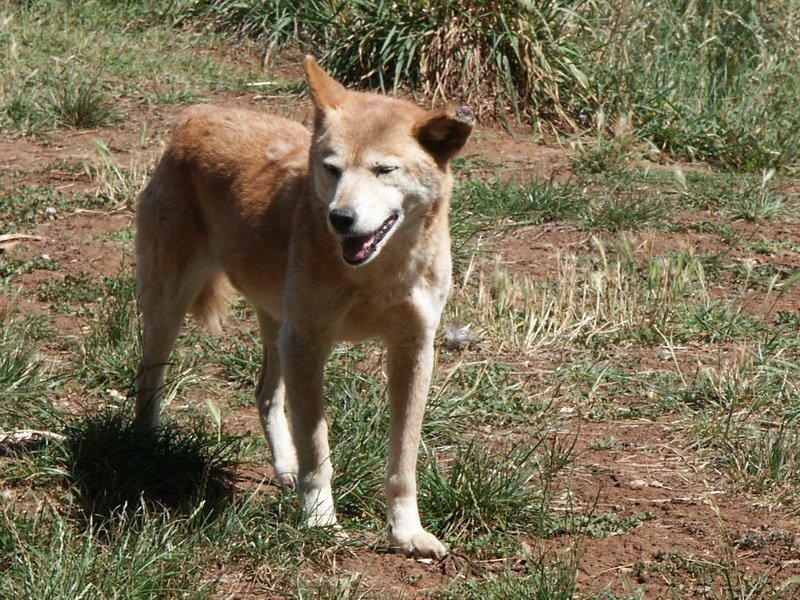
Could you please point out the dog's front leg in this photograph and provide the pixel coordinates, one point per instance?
(409, 367)
(303, 362)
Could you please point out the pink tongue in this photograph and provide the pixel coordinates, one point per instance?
(355, 249)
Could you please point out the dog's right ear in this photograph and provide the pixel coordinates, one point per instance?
(326, 92)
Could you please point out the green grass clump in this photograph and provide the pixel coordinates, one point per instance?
(626, 212)
(79, 102)
(484, 492)
(26, 381)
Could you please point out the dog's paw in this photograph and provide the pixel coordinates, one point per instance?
(324, 519)
(419, 544)
(287, 478)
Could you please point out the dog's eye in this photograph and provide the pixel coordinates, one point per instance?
(384, 170)
(332, 169)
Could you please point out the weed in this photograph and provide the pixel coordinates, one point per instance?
(607, 524)
(69, 290)
(484, 492)
(10, 268)
(116, 185)
(626, 213)
(25, 379)
(542, 579)
(76, 101)
(121, 236)
(343, 588)
(609, 443)
(22, 207)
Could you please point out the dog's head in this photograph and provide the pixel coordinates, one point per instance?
(379, 164)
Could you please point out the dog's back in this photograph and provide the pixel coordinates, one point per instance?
(228, 177)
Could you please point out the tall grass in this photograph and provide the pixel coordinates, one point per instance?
(505, 58)
(715, 80)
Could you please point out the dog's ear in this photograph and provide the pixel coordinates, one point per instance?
(326, 92)
(444, 132)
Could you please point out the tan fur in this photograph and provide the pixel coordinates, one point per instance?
(339, 235)
(211, 304)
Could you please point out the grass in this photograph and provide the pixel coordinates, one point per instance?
(697, 81)
(25, 377)
(79, 102)
(116, 186)
(22, 207)
(111, 348)
(52, 558)
(52, 78)
(670, 310)
(555, 579)
(488, 494)
(746, 412)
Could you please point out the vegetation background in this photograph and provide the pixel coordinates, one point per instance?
(615, 410)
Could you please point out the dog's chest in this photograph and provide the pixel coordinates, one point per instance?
(373, 310)
(390, 311)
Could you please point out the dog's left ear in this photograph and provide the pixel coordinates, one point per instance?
(326, 92)
(444, 132)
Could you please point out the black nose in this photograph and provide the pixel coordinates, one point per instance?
(342, 219)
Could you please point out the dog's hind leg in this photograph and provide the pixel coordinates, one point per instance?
(270, 395)
(164, 302)
(174, 272)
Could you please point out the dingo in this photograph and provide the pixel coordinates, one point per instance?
(336, 234)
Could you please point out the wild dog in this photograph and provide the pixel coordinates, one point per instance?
(339, 234)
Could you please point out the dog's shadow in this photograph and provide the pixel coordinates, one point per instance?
(114, 468)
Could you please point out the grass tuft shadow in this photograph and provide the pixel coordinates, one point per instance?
(113, 467)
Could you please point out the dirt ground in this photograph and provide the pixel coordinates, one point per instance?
(694, 519)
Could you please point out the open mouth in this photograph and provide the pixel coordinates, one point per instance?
(357, 250)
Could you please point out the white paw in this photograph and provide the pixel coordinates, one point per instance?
(417, 544)
(322, 519)
(287, 478)
(318, 507)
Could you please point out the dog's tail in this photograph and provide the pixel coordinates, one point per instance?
(212, 303)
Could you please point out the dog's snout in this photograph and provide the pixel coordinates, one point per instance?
(342, 219)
